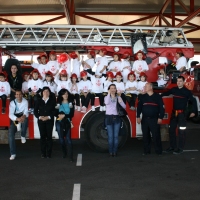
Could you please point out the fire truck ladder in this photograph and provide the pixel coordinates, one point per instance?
(73, 35)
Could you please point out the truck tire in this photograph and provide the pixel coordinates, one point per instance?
(96, 134)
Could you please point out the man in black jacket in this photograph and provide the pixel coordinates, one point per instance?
(181, 95)
(45, 111)
(152, 108)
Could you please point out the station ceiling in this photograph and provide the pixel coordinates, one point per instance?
(182, 13)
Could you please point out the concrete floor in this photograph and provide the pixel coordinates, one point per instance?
(130, 176)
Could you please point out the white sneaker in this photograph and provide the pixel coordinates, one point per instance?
(23, 140)
(12, 157)
(101, 108)
(75, 107)
(83, 110)
(57, 106)
(93, 108)
(132, 108)
(104, 108)
(78, 108)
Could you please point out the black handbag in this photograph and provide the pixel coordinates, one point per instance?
(120, 110)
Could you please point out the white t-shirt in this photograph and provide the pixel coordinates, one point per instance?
(106, 84)
(66, 66)
(51, 85)
(41, 68)
(35, 85)
(181, 62)
(140, 85)
(4, 88)
(74, 88)
(25, 87)
(115, 65)
(120, 86)
(53, 66)
(76, 67)
(62, 84)
(140, 65)
(131, 84)
(101, 62)
(161, 81)
(125, 72)
(85, 86)
(97, 84)
(90, 62)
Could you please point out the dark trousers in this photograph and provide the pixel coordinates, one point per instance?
(85, 100)
(46, 142)
(101, 98)
(151, 125)
(123, 96)
(12, 95)
(131, 99)
(179, 121)
(76, 99)
(3, 98)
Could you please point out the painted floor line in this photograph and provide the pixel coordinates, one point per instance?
(190, 150)
(79, 160)
(76, 191)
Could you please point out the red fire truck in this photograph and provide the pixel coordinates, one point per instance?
(158, 43)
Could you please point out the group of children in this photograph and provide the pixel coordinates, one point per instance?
(83, 85)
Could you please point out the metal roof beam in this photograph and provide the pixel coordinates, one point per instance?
(10, 21)
(184, 6)
(51, 20)
(190, 17)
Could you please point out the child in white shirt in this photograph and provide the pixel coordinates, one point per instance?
(62, 81)
(64, 61)
(35, 86)
(131, 90)
(25, 91)
(120, 86)
(49, 82)
(43, 67)
(85, 87)
(75, 63)
(107, 82)
(126, 66)
(102, 63)
(75, 92)
(141, 84)
(97, 91)
(140, 65)
(53, 64)
(4, 90)
(162, 77)
(115, 65)
(89, 63)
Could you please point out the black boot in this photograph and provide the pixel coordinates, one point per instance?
(64, 151)
(70, 152)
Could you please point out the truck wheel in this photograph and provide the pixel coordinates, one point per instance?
(96, 134)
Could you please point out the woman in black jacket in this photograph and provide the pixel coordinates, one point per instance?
(45, 111)
(64, 114)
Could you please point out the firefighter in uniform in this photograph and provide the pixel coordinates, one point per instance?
(152, 108)
(181, 95)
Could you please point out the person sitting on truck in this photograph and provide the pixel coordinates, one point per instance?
(181, 95)
(120, 86)
(89, 63)
(141, 84)
(115, 65)
(66, 65)
(35, 86)
(76, 63)
(102, 63)
(109, 80)
(43, 67)
(131, 90)
(140, 64)
(97, 91)
(53, 64)
(18, 114)
(162, 77)
(112, 119)
(126, 65)
(4, 90)
(75, 91)
(84, 87)
(15, 80)
(64, 115)
(25, 91)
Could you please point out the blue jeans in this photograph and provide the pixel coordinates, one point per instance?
(11, 134)
(63, 140)
(113, 129)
